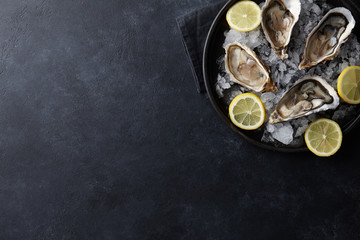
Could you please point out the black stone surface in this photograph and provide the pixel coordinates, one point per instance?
(104, 136)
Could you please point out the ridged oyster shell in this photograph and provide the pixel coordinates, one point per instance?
(246, 69)
(278, 19)
(324, 41)
(310, 94)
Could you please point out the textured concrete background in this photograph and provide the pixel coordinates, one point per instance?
(103, 136)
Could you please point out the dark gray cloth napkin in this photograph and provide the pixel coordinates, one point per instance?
(194, 27)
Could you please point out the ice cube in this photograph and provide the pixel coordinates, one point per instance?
(270, 128)
(296, 58)
(219, 91)
(343, 65)
(316, 9)
(267, 96)
(339, 114)
(352, 61)
(284, 133)
(301, 130)
(282, 66)
(272, 56)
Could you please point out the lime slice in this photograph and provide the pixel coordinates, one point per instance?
(244, 16)
(247, 111)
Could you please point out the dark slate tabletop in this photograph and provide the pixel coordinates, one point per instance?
(104, 136)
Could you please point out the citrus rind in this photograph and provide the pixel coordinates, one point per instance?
(350, 95)
(247, 111)
(244, 16)
(323, 137)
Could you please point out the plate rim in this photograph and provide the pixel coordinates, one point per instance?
(214, 100)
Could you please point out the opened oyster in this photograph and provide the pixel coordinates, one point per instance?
(324, 41)
(309, 95)
(278, 19)
(246, 69)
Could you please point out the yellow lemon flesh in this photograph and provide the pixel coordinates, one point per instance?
(349, 85)
(323, 137)
(244, 16)
(247, 111)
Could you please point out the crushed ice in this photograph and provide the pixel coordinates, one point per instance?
(285, 73)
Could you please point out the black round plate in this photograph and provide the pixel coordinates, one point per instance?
(213, 50)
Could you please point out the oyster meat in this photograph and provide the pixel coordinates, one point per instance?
(278, 19)
(246, 69)
(309, 95)
(324, 41)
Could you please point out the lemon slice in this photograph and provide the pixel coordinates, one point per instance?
(244, 16)
(247, 111)
(349, 85)
(323, 137)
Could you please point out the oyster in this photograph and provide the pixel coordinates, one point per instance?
(246, 69)
(324, 41)
(309, 95)
(278, 19)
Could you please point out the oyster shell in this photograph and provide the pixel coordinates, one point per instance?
(309, 95)
(324, 41)
(278, 19)
(246, 69)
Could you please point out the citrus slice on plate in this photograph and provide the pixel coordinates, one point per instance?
(244, 16)
(247, 111)
(323, 137)
(349, 85)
